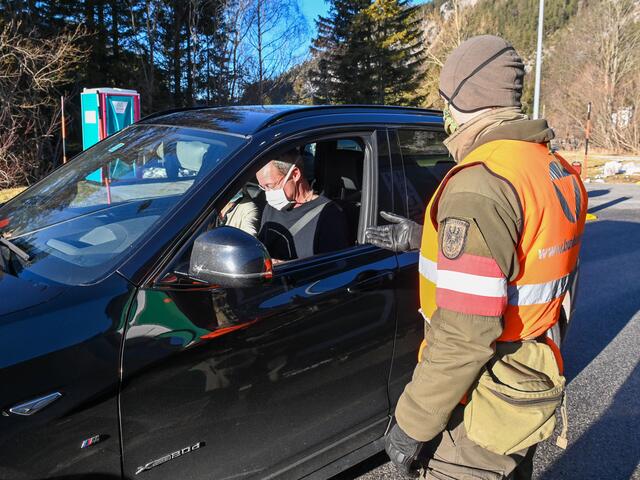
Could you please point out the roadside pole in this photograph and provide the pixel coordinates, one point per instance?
(587, 132)
(64, 132)
(536, 94)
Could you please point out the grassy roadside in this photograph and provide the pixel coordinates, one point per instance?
(9, 193)
(596, 161)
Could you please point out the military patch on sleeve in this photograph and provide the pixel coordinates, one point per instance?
(454, 237)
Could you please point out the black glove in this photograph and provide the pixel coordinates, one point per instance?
(403, 451)
(400, 236)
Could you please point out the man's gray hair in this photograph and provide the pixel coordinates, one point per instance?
(288, 159)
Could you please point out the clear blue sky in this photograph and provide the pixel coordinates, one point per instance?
(312, 9)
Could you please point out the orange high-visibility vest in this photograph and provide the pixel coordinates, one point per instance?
(554, 203)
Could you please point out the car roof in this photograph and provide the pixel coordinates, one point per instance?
(250, 119)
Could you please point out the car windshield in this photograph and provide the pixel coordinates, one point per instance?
(81, 220)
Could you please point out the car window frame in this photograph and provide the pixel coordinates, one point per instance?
(398, 159)
(368, 206)
(367, 216)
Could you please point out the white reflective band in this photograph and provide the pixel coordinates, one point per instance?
(532, 294)
(428, 269)
(426, 319)
(472, 284)
(462, 282)
(538, 293)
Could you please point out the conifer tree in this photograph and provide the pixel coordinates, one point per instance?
(367, 52)
(343, 59)
(396, 50)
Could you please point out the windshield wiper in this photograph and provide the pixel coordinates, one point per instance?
(15, 249)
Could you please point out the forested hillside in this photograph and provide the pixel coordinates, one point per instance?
(517, 20)
(180, 53)
(591, 55)
(447, 23)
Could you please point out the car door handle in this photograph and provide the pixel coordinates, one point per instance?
(370, 279)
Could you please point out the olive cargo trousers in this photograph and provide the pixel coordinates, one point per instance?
(456, 457)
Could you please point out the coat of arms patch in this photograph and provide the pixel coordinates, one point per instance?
(454, 237)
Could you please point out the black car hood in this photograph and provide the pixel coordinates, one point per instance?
(18, 294)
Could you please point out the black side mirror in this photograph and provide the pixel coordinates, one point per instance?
(229, 257)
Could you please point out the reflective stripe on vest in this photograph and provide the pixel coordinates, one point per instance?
(538, 293)
(553, 202)
(517, 294)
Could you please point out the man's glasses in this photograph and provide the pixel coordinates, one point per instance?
(274, 186)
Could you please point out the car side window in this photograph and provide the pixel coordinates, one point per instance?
(426, 161)
(333, 167)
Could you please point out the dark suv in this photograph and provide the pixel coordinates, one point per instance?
(119, 359)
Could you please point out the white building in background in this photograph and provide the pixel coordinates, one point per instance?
(622, 118)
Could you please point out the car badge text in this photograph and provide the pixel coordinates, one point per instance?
(169, 456)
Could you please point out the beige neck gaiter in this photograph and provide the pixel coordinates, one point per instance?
(466, 138)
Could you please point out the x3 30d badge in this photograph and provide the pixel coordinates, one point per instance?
(169, 456)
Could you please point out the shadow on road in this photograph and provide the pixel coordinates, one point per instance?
(608, 292)
(363, 468)
(613, 439)
(608, 204)
(93, 476)
(598, 193)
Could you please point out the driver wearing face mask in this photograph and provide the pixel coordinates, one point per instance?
(297, 222)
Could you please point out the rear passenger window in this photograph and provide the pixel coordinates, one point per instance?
(349, 144)
(426, 161)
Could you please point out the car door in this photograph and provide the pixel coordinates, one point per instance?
(271, 381)
(424, 161)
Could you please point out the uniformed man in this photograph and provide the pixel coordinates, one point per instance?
(498, 249)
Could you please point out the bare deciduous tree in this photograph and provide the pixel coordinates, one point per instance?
(597, 60)
(146, 44)
(31, 70)
(238, 16)
(276, 30)
(444, 29)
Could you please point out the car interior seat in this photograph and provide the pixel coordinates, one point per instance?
(338, 176)
(171, 165)
(257, 195)
(210, 158)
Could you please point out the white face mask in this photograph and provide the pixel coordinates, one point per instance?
(276, 197)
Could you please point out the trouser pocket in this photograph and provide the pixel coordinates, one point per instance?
(514, 401)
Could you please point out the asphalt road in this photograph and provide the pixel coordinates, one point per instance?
(601, 353)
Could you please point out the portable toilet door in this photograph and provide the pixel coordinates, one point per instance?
(106, 111)
(122, 110)
(91, 131)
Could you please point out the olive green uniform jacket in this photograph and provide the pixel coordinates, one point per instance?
(459, 345)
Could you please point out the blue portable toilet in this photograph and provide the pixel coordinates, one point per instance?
(104, 112)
